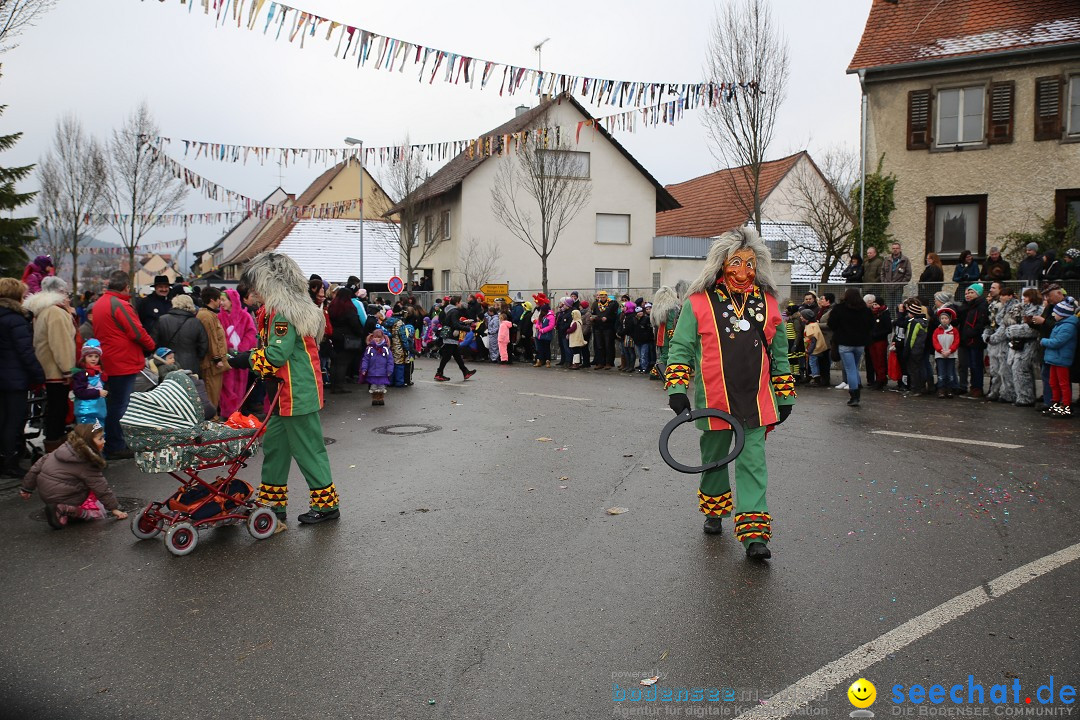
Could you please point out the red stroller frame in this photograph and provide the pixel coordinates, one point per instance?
(177, 520)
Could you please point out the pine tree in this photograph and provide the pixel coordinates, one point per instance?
(15, 233)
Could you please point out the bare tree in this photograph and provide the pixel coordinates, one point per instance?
(72, 180)
(420, 230)
(746, 48)
(138, 190)
(538, 190)
(17, 15)
(478, 265)
(821, 196)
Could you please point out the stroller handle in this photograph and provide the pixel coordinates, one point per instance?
(688, 416)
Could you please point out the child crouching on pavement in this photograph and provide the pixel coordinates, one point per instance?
(88, 385)
(377, 367)
(946, 341)
(70, 482)
(1059, 351)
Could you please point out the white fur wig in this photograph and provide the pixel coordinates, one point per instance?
(665, 300)
(283, 288)
(723, 247)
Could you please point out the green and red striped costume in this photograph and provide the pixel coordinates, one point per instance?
(289, 362)
(731, 371)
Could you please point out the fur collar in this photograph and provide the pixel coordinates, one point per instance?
(42, 301)
(14, 306)
(85, 452)
(283, 288)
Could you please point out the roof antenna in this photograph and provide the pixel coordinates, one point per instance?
(538, 47)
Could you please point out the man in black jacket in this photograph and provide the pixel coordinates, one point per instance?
(156, 304)
(1031, 267)
(603, 324)
(453, 325)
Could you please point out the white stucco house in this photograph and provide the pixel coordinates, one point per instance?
(607, 245)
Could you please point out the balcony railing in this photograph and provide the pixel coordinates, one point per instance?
(696, 248)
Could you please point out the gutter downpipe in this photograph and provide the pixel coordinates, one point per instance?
(862, 166)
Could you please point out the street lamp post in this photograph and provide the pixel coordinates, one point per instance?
(354, 141)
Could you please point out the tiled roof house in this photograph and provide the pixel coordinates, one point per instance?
(975, 106)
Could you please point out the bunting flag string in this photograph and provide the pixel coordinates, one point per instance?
(393, 55)
(667, 113)
(139, 249)
(204, 218)
(257, 208)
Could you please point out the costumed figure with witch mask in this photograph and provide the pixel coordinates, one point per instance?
(290, 328)
(665, 315)
(729, 346)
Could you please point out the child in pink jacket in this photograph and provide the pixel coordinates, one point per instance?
(504, 338)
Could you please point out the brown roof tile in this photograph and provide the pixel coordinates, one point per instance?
(923, 30)
(451, 175)
(711, 204)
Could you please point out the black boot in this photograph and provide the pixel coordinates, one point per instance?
(713, 525)
(758, 551)
(854, 398)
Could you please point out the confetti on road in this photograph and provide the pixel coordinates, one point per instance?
(543, 439)
(650, 680)
(617, 510)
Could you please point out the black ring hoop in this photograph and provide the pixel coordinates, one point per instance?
(688, 416)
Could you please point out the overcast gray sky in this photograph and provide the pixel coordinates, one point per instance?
(223, 84)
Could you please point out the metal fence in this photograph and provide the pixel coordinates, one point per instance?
(895, 293)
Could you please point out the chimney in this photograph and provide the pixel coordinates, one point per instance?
(521, 110)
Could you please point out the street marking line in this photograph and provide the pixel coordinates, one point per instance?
(938, 438)
(839, 672)
(556, 397)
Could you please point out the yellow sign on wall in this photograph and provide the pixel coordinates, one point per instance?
(493, 291)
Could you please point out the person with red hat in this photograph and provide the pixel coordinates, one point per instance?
(946, 341)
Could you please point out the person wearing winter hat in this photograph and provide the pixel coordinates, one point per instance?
(88, 385)
(1030, 268)
(1070, 265)
(917, 344)
(946, 343)
(974, 317)
(36, 271)
(605, 317)
(817, 347)
(1059, 351)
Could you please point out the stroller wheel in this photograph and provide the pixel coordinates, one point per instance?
(262, 523)
(181, 538)
(143, 526)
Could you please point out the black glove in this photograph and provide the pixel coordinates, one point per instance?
(784, 410)
(240, 361)
(679, 403)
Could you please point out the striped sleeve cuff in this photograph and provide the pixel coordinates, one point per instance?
(677, 376)
(784, 385)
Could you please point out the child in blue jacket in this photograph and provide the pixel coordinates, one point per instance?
(1059, 351)
(88, 385)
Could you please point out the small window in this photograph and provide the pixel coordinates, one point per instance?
(1067, 213)
(612, 229)
(954, 224)
(445, 223)
(960, 116)
(446, 280)
(564, 163)
(429, 230)
(616, 282)
(1073, 127)
(414, 241)
(656, 281)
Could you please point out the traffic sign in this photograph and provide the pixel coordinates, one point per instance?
(395, 285)
(496, 291)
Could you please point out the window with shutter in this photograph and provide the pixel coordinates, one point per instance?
(1000, 128)
(918, 120)
(1048, 108)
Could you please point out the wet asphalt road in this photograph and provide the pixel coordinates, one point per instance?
(475, 566)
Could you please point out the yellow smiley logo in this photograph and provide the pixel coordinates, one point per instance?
(862, 693)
